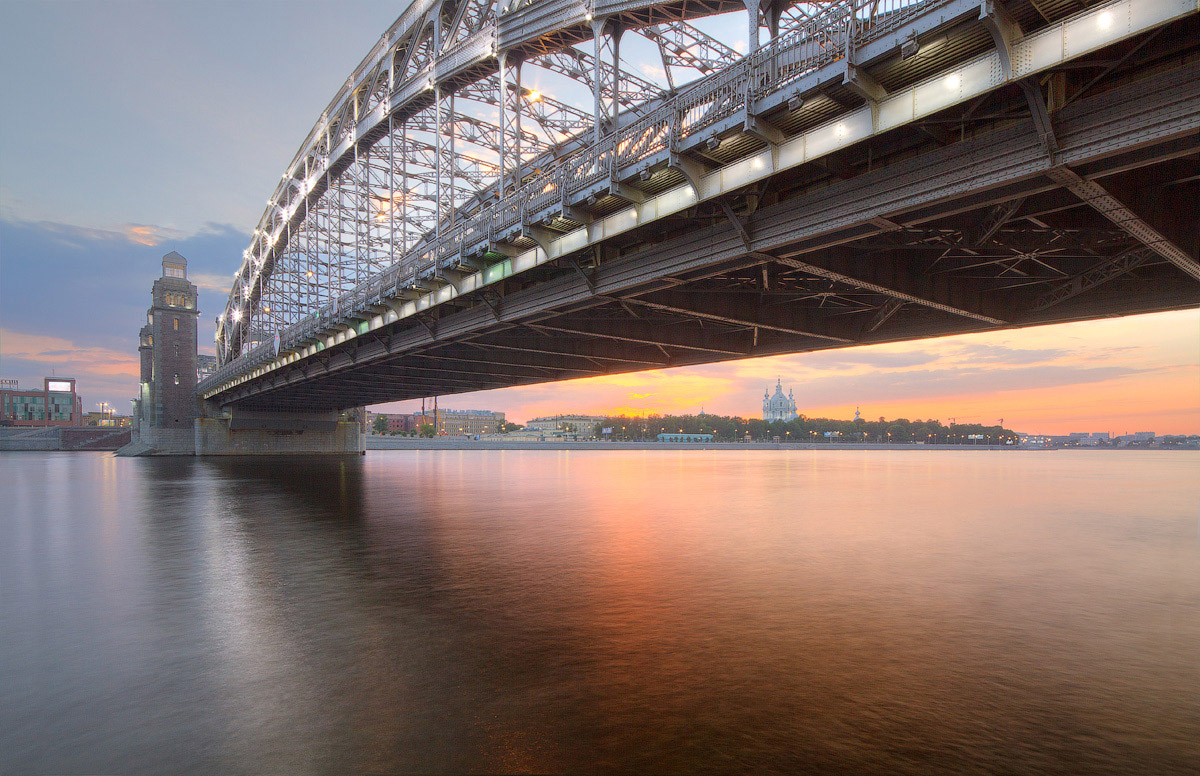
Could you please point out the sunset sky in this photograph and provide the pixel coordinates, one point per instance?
(135, 128)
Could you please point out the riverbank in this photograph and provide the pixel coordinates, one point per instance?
(62, 438)
(466, 443)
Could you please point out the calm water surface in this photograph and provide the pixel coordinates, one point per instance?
(600, 612)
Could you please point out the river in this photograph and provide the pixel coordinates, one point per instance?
(824, 612)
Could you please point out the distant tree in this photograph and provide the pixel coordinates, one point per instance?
(381, 425)
(506, 427)
(427, 430)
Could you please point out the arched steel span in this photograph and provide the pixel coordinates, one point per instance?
(437, 111)
(352, 235)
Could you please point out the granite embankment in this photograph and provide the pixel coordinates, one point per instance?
(66, 438)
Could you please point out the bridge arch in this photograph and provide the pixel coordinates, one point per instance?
(394, 127)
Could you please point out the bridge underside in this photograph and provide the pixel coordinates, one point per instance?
(987, 216)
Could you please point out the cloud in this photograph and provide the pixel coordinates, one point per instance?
(955, 381)
(79, 237)
(983, 352)
(147, 234)
(210, 281)
(651, 71)
(102, 374)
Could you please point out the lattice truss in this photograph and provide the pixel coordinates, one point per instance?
(332, 224)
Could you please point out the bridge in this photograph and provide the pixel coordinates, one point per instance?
(867, 171)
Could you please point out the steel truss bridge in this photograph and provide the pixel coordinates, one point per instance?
(871, 171)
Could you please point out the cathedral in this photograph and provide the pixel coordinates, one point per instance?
(778, 407)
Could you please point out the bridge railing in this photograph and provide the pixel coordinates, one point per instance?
(821, 40)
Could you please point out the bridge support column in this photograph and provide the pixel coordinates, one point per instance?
(248, 432)
(606, 77)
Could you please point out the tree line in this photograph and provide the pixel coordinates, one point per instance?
(732, 428)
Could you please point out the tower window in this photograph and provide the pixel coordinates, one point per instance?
(177, 378)
(175, 324)
(176, 350)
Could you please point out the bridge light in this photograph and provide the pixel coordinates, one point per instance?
(713, 143)
(952, 81)
(534, 95)
(236, 315)
(1105, 20)
(909, 49)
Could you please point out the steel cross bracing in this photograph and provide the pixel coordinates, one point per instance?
(338, 257)
(406, 66)
(574, 321)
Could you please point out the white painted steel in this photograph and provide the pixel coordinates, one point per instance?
(1071, 38)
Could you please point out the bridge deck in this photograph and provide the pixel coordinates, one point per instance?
(902, 205)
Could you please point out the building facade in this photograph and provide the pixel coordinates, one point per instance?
(403, 424)
(462, 422)
(779, 407)
(701, 438)
(106, 418)
(582, 425)
(167, 350)
(397, 423)
(55, 404)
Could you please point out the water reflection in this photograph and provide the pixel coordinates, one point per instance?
(635, 612)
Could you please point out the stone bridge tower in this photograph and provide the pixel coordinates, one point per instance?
(166, 406)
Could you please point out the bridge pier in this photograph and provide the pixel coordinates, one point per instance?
(249, 432)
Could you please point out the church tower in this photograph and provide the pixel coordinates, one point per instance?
(779, 407)
(167, 346)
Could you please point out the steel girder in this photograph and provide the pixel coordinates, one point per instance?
(349, 240)
(1122, 129)
(434, 50)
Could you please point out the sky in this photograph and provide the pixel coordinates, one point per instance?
(129, 129)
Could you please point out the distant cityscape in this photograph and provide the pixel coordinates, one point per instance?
(780, 421)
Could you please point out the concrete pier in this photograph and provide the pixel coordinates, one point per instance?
(247, 432)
